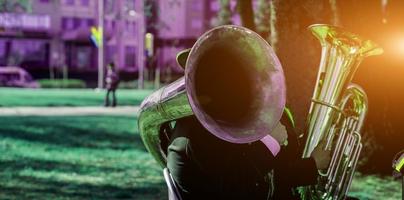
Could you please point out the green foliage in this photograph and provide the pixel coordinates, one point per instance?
(148, 85)
(224, 14)
(128, 84)
(66, 97)
(375, 187)
(369, 187)
(262, 18)
(14, 5)
(62, 83)
(76, 158)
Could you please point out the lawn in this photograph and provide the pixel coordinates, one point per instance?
(99, 157)
(66, 97)
(375, 187)
(78, 158)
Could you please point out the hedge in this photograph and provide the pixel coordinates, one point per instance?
(61, 83)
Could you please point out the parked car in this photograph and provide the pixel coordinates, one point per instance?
(16, 77)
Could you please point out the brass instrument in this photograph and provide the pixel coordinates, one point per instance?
(337, 110)
(233, 84)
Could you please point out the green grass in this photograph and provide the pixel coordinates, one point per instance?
(79, 158)
(10, 97)
(100, 157)
(375, 187)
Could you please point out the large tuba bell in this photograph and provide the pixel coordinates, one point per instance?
(233, 84)
(337, 110)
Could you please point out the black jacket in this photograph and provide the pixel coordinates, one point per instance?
(206, 167)
(291, 170)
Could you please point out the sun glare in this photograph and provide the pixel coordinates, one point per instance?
(400, 46)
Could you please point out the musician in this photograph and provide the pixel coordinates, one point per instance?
(287, 173)
(206, 167)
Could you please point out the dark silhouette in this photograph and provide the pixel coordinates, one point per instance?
(112, 82)
(206, 167)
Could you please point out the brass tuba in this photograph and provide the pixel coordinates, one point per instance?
(338, 109)
(233, 84)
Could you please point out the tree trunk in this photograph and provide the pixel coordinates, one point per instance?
(298, 51)
(245, 9)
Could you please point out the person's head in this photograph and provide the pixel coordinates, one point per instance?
(111, 65)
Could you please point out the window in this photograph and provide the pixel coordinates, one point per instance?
(69, 2)
(67, 23)
(109, 6)
(84, 2)
(130, 27)
(196, 6)
(90, 22)
(28, 52)
(77, 22)
(83, 56)
(130, 5)
(83, 22)
(110, 53)
(108, 24)
(3, 52)
(2, 48)
(196, 23)
(130, 56)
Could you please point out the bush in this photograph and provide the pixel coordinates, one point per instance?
(149, 85)
(127, 84)
(60, 83)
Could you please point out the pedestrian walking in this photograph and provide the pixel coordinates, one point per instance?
(112, 82)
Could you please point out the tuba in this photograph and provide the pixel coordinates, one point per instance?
(337, 110)
(233, 84)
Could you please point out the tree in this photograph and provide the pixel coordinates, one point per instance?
(245, 9)
(297, 49)
(15, 6)
(262, 18)
(224, 14)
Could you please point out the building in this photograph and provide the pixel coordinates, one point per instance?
(52, 35)
(56, 33)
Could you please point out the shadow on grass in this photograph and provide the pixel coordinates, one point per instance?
(87, 132)
(38, 188)
(13, 166)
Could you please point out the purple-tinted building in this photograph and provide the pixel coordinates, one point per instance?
(57, 33)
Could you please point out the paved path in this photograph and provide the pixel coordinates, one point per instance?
(68, 111)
